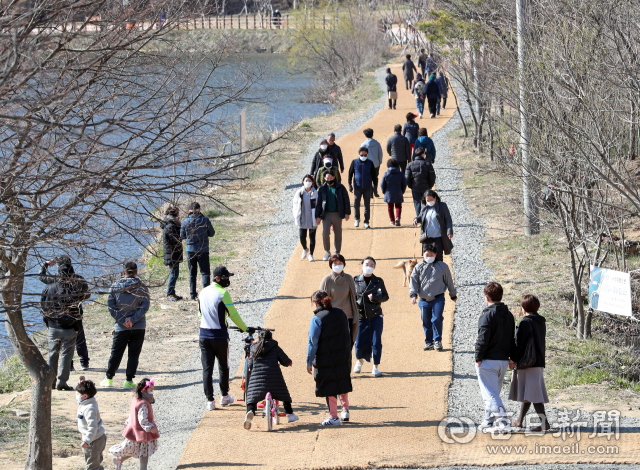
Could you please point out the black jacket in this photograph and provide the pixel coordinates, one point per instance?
(531, 325)
(496, 328)
(391, 80)
(317, 160)
(332, 364)
(420, 175)
(443, 214)
(398, 147)
(61, 300)
(433, 90)
(370, 308)
(171, 240)
(266, 376)
(336, 151)
(342, 198)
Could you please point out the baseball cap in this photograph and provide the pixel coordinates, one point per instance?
(221, 271)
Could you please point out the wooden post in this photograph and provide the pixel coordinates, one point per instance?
(270, 21)
(217, 22)
(224, 21)
(209, 18)
(324, 25)
(246, 21)
(286, 24)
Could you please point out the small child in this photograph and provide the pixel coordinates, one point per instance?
(393, 185)
(266, 376)
(94, 438)
(140, 432)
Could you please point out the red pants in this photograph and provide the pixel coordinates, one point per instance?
(398, 211)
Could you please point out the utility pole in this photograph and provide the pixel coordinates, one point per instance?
(531, 223)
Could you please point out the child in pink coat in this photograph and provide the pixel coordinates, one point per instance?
(140, 432)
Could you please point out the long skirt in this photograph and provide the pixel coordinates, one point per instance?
(528, 385)
(129, 448)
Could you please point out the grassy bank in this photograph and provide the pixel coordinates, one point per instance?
(237, 40)
(577, 370)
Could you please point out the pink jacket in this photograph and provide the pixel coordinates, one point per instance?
(133, 430)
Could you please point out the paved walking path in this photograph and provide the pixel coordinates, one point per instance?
(394, 418)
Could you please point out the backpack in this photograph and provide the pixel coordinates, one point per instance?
(420, 88)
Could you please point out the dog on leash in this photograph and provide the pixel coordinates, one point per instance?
(407, 266)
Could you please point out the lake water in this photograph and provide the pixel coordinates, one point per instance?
(283, 94)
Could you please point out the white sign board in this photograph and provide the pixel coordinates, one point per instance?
(610, 291)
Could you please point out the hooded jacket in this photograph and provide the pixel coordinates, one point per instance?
(319, 157)
(61, 300)
(129, 299)
(89, 420)
(367, 308)
(171, 241)
(197, 230)
(533, 325)
(420, 175)
(427, 144)
(496, 328)
(266, 376)
(393, 185)
(399, 148)
(433, 90)
(375, 151)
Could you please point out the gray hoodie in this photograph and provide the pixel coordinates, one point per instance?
(129, 298)
(430, 280)
(89, 420)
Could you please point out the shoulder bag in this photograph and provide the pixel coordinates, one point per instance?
(529, 358)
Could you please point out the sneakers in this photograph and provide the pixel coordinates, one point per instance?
(356, 223)
(249, 418)
(437, 346)
(173, 298)
(397, 222)
(331, 422)
(375, 372)
(292, 417)
(226, 400)
(420, 116)
(366, 225)
(107, 383)
(357, 368)
(211, 405)
(394, 106)
(428, 347)
(84, 366)
(393, 224)
(485, 425)
(118, 463)
(326, 257)
(65, 388)
(310, 257)
(344, 416)
(501, 427)
(128, 385)
(305, 252)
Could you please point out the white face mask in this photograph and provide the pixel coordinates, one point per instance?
(368, 270)
(308, 184)
(429, 259)
(337, 268)
(78, 398)
(323, 147)
(431, 203)
(363, 159)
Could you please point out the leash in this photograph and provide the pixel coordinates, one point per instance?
(415, 238)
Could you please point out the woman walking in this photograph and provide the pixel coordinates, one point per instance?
(410, 130)
(140, 432)
(173, 250)
(342, 290)
(437, 226)
(527, 384)
(319, 158)
(329, 353)
(425, 142)
(304, 213)
(370, 292)
(393, 185)
(408, 67)
(418, 89)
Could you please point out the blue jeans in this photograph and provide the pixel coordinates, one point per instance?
(417, 201)
(174, 272)
(369, 340)
(432, 318)
(193, 260)
(420, 105)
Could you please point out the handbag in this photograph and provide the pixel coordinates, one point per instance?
(393, 95)
(529, 358)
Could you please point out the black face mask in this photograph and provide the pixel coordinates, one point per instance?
(224, 282)
(331, 183)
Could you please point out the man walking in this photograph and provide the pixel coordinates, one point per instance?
(215, 305)
(420, 178)
(392, 81)
(128, 304)
(422, 61)
(333, 206)
(61, 307)
(335, 151)
(375, 153)
(362, 180)
(197, 230)
(429, 280)
(431, 64)
(494, 346)
(398, 147)
(433, 95)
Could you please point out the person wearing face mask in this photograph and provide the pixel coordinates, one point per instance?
(305, 201)
(336, 151)
(429, 281)
(420, 178)
(342, 290)
(375, 153)
(92, 432)
(324, 151)
(436, 224)
(328, 168)
(333, 206)
(362, 179)
(393, 185)
(370, 294)
(215, 304)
